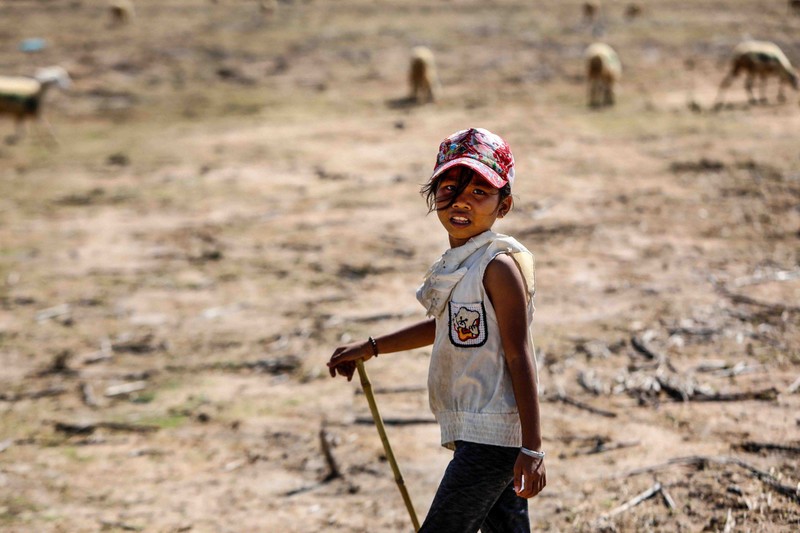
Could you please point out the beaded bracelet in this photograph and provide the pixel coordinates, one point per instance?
(374, 344)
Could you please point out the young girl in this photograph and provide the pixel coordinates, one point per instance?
(482, 380)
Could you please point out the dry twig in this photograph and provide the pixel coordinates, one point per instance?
(88, 395)
(750, 446)
(636, 500)
(699, 461)
(32, 395)
(562, 397)
(325, 442)
(362, 420)
(89, 428)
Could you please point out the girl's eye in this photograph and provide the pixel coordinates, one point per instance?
(478, 192)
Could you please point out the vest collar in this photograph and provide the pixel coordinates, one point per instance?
(447, 272)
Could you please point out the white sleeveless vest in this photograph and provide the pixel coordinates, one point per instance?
(469, 385)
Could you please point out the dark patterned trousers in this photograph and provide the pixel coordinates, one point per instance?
(477, 492)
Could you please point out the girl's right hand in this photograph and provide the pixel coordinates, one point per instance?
(343, 360)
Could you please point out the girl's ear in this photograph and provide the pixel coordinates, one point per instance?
(505, 207)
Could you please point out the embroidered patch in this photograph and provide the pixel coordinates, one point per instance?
(467, 324)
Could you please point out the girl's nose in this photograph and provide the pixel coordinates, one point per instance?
(461, 201)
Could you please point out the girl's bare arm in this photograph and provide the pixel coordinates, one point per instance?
(414, 336)
(506, 288)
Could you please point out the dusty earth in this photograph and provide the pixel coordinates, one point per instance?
(235, 192)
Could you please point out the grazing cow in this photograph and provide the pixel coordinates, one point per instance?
(763, 59)
(121, 12)
(603, 70)
(422, 76)
(632, 11)
(22, 97)
(590, 11)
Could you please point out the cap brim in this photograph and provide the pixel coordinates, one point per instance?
(489, 175)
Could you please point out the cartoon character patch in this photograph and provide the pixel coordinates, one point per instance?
(467, 324)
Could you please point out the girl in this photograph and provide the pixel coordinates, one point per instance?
(482, 380)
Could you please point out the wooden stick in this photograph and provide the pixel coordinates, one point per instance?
(641, 346)
(87, 393)
(636, 500)
(601, 447)
(397, 421)
(394, 390)
(776, 308)
(561, 397)
(729, 522)
(125, 388)
(32, 395)
(668, 501)
(698, 461)
(751, 446)
(766, 395)
(333, 468)
(793, 387)
(89, 428)
(376, 416)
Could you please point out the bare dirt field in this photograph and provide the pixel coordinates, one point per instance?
(235, 192)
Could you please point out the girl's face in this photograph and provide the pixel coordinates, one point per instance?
(472, 211)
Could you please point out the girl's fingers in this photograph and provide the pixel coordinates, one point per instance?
(337, 362)
(530, 480)
(346, 369)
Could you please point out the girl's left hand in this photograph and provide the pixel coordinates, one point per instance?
(530, 476)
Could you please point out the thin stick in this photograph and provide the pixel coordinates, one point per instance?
(376, 416)
(636, 500)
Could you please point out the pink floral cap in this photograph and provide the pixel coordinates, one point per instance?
(482, 151)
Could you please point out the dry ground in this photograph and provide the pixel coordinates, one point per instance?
(235, 192)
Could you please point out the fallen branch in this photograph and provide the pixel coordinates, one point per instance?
(59, 365)
(89, 428)
(791, 389)
(561, 397)
(641, 346)
(765, 395)
(275, 365)
(668, 501)
(87, 394)
(105, 353)
(125, 388)
(363, 420)
(380, 317)
(333, 468)
(750, 446)
(602, 446)
(591, 384)
(775, 308)
(726, 370)
(730, 522)
(694, 331)
(688, 391)
(636, 500)
(394, 390)
(781, 275)
(32, 395)
(108, 524)
(698, 461)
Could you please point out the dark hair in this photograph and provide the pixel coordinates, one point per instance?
(465, 174)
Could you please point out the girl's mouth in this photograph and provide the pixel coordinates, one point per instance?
(459, 221)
